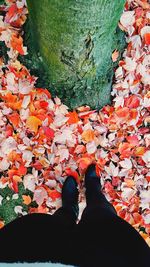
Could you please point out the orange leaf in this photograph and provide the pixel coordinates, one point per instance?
(148, 179)
(125, 150)
(26, 199)
(122, 112)
(9, 97)
(32, 123)
(12, 101)
(14, 118)
(133, 114)
(73, 117)
(15, 106)
(1, 224)
(118, 208)
(88, 136)
(129, 182)
(41, 117)
(137, 217)
(42, 209)
(101, 162)
(17, 43)
(115, 55)
(139, 151)
(31, 107)
(143, 3)
(144, 235)
(147, 38)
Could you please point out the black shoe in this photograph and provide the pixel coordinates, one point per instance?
(70, 196)
(92, 185)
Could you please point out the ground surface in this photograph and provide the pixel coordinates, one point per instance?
(41, 142)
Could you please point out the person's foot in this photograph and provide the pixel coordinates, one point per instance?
(70, 196)
(92, 184)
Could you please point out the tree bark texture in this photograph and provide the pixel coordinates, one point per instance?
(75, 39)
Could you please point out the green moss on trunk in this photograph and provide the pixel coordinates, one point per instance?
(76, 40)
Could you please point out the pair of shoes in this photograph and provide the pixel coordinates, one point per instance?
(70, 190)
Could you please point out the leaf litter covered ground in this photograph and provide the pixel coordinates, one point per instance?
(41, 141)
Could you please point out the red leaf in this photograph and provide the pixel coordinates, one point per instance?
(11, 12)
(132, 101)
(54, 194)
(11, 173)
(37, 165)
(43, 104)
(116, 181)
(8, 131)
(48, 132)
(137, 217)
(143, 130)
(22, 170)
(133, 140)
(15, 186)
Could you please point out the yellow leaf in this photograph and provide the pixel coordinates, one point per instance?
(88, 136)
(139, 151)
(129, 182)
(32, 123)
(26, 199)
(115, 55)
(44, 162)
(17, 178)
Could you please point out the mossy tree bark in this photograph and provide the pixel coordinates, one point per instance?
(75, 40)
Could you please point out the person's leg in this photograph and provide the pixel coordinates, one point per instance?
(69, 211)
(41, 237)
(67, 216)
(106, 239)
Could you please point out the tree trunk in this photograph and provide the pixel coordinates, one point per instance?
(75, 39)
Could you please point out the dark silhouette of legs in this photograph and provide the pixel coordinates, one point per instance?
(100, 239)
(106, 239)
(41, 237)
